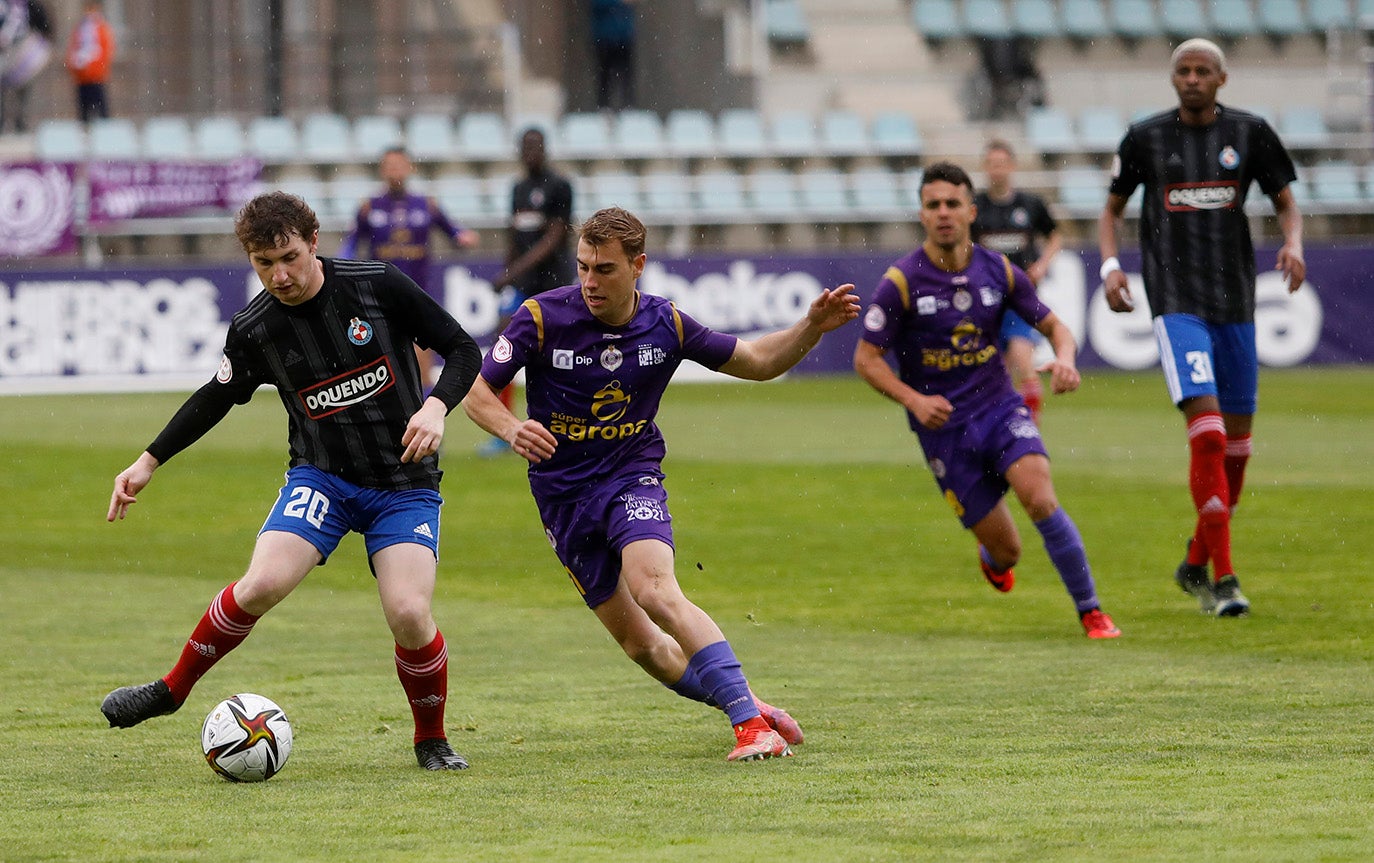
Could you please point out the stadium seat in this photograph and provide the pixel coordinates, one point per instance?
(772, 194)
(843, 134)
(1364, 14)
(668, 196)
(273, 139)
(462, 196)
(1100, 129)
(60, 140)
(720, 196)
(308, 189)
(346, 194)
(877, 195)
(793, 134)
(167, 137)
(219, 138)
(1303, 127)
(374, 134)
(1329, 14)
(483, 136)
(1082, 190)
(823, 194)
(638, 135)
(690, 134)
(1036, 19)
(937, 20)
(326, 138)
(114, 138)
(1337, 182)
(739, 133)
(429, 137)
(1233, 19)
(584, 135)
(1085, 20)
(986, 19)
(615, 190)
(896, 134)
(1183, 19)
(1280, 18)
(1134, 19)
(1050, 131)
(785, 22)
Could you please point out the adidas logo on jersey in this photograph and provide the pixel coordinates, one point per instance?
(423, 530)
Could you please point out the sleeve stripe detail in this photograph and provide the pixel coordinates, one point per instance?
(532, 306)
(677, 322)
(1011, 279)
(898, 278)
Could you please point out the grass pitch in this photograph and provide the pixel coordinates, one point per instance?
(944, 721)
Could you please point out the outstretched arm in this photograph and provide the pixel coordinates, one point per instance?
(528, 438)
(768, 356)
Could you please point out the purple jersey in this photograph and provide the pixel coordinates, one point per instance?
(943, 326)
(597, 387)
(396, 228)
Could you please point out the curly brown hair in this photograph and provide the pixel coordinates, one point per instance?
(270, 219)
(613, 223)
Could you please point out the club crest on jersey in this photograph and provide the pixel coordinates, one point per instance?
(875, 318)
(226, 371)
(1229, 158)
(611, 358)
(502, 351)
(963, 300)
(359, 331)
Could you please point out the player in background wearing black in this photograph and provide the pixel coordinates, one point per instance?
(336, 338)
(1197, 163)
(1012, 221)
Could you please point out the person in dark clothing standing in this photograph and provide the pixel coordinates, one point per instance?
(336, 338)
(613, 40)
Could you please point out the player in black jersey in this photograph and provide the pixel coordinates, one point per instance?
(1197, 163)
(336, 339)
(1012, 221)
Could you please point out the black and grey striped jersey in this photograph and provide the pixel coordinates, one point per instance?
(344, 366)
(1197, 255)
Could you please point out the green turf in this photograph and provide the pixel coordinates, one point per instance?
(944, 721)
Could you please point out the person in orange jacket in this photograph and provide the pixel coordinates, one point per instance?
(89, 56)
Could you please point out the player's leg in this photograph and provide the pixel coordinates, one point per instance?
(1237, 371)
(999, 547)
(1017, 340)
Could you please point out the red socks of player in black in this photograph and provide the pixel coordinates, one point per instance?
(223, 627)
(424, 677)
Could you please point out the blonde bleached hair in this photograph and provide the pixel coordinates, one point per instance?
(1200, 46)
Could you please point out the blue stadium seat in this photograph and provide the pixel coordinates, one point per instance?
(896, 134)
(483, 136)
(986, 19)
(615, 189)
(584, 135)
(1364, 14)
(1337, 182)
(1049, 131)
(60, 140)
(1134, 19)
(1303, 127)
(219, 138)
(720, 195)
(823, 194)
(1101, 128)
(1085, 19)
(843, 134)
(786, 22)
(374, 134)
(429, 137)
(274, 139)
(667, 196)
(1233, 19)
(326, 138)
(1036, 19)
(463, 196)
(793, 134)
(638, 135)
(1083, 190)
(308, 189)
(772, 194)
(1329, 14)
(114, 138)
(346, 194)
(739, 133)
(690, 134)
(1280, 17)
(937, 20)
(167, 137)
(1183, 19)
(877, 195)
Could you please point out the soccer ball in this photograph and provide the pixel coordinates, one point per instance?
(246, 738)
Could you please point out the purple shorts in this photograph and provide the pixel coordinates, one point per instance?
(970, 460)
(587, 534)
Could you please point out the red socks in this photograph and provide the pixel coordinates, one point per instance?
(424, 677)
(223, 627)
(1034, 394)
(1208, 483)
(1237, 456)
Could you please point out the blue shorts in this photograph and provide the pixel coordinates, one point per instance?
(321, 508)
(587, 534)
(1015, 327)
(970, 460)
(1205, 359)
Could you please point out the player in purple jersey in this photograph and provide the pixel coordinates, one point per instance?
(1197, 164)
(395, 226)
(597, 358)
(939, 310)
(335, 339)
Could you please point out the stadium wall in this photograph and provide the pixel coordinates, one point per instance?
(162, 328)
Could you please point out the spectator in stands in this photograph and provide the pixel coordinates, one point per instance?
(1196, 163)
(1013, 79)
(935, 310)
(1012, 221)
(395, 226)
(89, 57)
(25, 46)
(538, 258)
(613, 41)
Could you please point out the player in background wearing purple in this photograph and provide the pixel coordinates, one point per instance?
(597, 358)
(940, 309)
(1197, 163)
(1011, 221)
(335, 338)
(395, 227)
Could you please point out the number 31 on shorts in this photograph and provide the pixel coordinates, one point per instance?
(1201, 364)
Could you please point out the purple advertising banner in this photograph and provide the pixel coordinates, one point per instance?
(163, 328)
(132, 190)
(36, 209)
